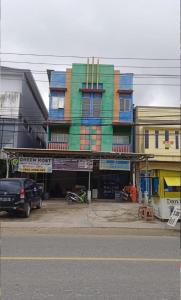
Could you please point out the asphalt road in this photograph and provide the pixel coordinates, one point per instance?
(61, 267)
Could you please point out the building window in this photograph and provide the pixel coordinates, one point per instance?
(156, 139)
(91, 105)
(86, 111)
(166, 136)
(177, 139)
(120, 140)
(96, 107)
(57, 102)
(125, 104)
(146, 139)
(58, 137)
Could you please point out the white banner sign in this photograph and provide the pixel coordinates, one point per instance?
(35, 165)
(174, 217)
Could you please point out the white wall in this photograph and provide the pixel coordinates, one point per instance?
(9, 104)
(11, 83)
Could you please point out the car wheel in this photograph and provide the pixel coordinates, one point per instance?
(39, 204)
(27, 210)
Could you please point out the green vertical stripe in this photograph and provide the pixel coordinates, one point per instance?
(107, 78)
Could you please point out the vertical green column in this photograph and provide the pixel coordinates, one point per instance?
(78, 76)
(107, 78)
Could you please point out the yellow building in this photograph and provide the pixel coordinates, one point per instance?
(158, 132)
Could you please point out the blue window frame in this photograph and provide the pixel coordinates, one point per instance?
(56, 105)
(125, 104)
(91, 105)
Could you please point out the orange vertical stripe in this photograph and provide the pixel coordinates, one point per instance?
(67, 105)
(116, 106)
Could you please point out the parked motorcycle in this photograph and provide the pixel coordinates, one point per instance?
(76, 198)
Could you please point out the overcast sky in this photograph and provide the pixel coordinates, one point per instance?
(100, 28)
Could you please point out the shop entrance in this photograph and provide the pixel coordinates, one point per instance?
(62, 181)
(108, 183)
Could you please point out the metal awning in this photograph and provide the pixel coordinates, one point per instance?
(16, 152)
(173, 181)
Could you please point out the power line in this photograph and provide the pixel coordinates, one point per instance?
(60, 64)
(78, 82)
(75, 112)
(79, 56)
(135, 75)
(86, 134)
(23, 113)
(101, 125)
(79, 116)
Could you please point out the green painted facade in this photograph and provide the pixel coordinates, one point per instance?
(106, 77)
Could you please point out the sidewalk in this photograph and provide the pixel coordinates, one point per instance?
(60, 215)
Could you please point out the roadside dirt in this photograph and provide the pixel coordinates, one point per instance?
(58, 217)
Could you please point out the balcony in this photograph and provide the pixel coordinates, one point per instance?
(121, 148)
(57, 146)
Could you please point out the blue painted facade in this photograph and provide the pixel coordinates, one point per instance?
(126, 81)
(57, 80)
(126, 84)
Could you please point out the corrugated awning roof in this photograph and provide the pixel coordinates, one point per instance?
(76, 154)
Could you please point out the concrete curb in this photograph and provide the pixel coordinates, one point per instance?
(90, 231)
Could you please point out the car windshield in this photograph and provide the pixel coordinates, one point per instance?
(9, 186)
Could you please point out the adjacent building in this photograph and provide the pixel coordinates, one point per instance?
(158, 132)
(22, 111)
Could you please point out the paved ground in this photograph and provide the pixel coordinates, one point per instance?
(62, 267)
(59, 215)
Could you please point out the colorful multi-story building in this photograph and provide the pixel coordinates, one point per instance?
(91, 109)
(158, 132)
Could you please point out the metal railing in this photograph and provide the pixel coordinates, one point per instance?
(58, 145)
(121, 148)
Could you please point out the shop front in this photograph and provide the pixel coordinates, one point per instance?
(102, 174)
(106, 177)
(166, 192)
(67, 174)
(110, 176)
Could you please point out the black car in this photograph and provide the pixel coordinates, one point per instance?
(19, 194)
